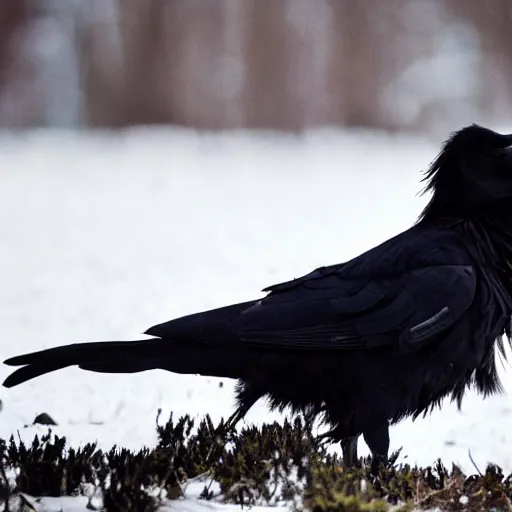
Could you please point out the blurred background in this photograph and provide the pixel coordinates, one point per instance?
(399, 65)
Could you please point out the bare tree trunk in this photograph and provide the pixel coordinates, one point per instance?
(202, 52)
(492, 21)
(268, 51)
(13, 15)
(310, 36)
(126, 81)
(356, 58)
(233, 68)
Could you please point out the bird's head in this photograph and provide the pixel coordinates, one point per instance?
(472, 171)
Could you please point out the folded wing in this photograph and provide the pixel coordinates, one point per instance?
(328, 311)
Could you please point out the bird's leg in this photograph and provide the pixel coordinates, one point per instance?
(247, 396)
(348, 446)
(243, 408)
(378, 442)
(349, 449)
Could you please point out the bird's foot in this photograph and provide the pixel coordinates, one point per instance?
(378, 461)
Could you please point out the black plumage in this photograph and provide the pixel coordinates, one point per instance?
(364, 343)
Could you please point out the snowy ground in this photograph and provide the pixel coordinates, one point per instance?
(105, 235)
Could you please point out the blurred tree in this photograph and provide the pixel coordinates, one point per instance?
(268, 49)
(492, 21)
(124, 63)
(288, 64)
(357, 58)
(13, 14)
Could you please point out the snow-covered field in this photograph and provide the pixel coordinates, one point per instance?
(104, 235)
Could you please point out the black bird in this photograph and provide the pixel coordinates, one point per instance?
(365, 343)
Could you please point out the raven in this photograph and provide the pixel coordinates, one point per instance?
(365, 343)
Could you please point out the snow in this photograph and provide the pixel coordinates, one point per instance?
(79, 503)
(104, 235)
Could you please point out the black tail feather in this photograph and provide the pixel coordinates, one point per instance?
(131, 357)
(114, 357)
(94, 351)
(31, 372)
(203, 343)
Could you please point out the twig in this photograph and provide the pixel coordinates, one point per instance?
(158, 413)
(196, 478)
(473, 462)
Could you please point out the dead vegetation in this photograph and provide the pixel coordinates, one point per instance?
(272, 464)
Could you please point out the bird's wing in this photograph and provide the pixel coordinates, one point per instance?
(329, 310)
(315, 274)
